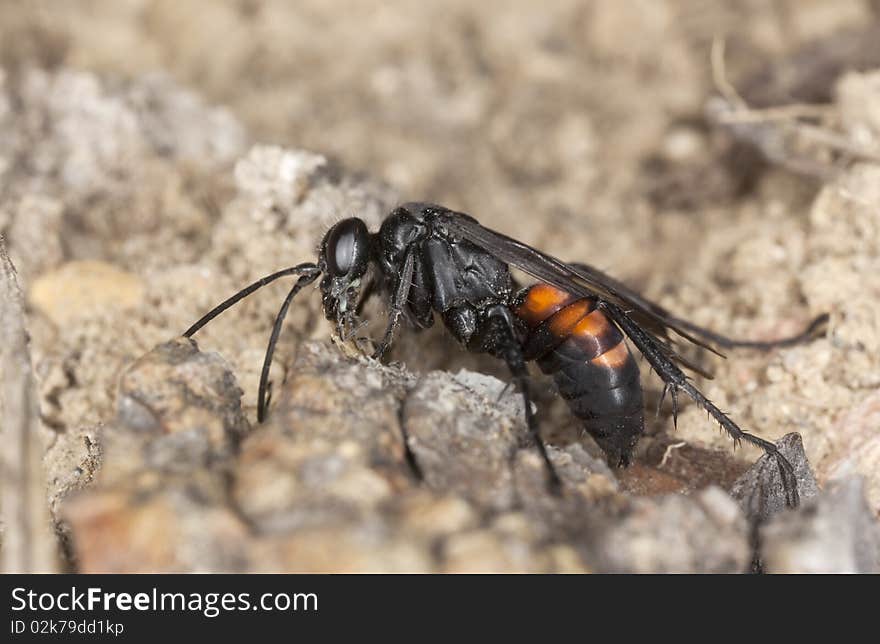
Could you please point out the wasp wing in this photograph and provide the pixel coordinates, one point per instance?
(579, 279)
(647, 313)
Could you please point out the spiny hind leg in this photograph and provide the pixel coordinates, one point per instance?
(675, 379)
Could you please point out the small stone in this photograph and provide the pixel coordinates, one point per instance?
(424, 513)
(856, 447)
(181, 406)
(85, 288)
(335, 550)
(478, 551)
(275, 176)
(459, 444)
(675, 533)
(760, 491)
(834, 532)
(171, 529)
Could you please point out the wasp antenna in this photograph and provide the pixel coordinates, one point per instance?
(262, 398)
(300, 269)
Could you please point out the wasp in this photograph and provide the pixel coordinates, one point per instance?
(428, 261)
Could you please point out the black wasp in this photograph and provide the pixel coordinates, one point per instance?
(429, 260)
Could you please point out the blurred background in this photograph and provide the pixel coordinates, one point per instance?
(721, 156)
(514, 111)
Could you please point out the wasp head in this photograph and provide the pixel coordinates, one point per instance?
(344, 258)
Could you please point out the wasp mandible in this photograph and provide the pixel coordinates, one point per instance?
(428, 261)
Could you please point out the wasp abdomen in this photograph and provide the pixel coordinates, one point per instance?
(594, 371)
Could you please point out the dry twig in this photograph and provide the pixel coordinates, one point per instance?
(781, 132)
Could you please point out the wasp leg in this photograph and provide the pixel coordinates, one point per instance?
(675, 379)
(262, 396)
(368, 292)
(397, 303)
(497, 337)
(355, 324)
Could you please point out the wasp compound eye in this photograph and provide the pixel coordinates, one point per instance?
(346, 248)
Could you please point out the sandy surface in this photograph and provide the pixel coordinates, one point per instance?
(153, 159)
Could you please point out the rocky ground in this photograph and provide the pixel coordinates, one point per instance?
(132, 200)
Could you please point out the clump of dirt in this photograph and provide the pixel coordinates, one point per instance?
(364, 467)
